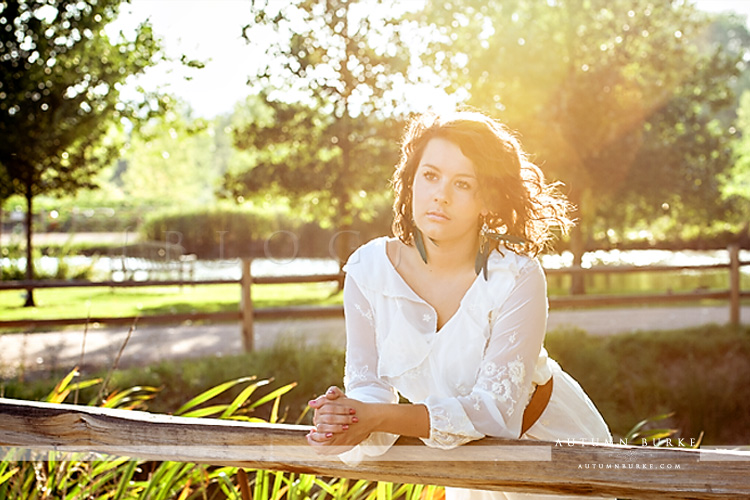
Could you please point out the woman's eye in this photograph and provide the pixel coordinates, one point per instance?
(463, 185)
(430, 176)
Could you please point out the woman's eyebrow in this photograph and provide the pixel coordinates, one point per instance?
(430, 165)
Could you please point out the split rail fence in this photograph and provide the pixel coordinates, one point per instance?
(30, 430)
(247, 313)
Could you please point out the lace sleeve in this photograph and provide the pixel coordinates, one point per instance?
(361, 380)
(496, 403)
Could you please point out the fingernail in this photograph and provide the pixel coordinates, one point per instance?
(355, 419)
(329, 434)
(352, 411)
(311, 402)
(345, 427)
(330, 391)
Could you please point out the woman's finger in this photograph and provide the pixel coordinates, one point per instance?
(335, 408)
(332, 428)
(334, 419)
(334, 392)
(319, 437)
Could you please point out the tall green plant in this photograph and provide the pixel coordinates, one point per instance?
(72, 476)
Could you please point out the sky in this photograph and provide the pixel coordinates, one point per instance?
(211, 31)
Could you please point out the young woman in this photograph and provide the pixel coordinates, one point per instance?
(451, 313)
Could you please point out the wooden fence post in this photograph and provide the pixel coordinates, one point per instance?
(246, 306)
(734, 284)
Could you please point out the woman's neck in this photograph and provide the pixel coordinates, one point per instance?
(449, 257)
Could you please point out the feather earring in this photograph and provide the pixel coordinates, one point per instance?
(419, 243)
(483, 255)
(480, 263)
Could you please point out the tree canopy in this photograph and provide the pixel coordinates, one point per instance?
(60, 82)
(616, 98)
(329, 85)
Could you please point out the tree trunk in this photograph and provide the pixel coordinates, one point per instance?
(29, 260)
(342, 245)
(577, 245)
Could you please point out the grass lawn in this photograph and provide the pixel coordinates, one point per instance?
(53, 303)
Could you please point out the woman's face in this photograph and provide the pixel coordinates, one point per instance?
(446, 202)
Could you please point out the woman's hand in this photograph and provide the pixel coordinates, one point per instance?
(340, 422)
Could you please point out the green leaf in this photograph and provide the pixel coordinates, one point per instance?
(245, 418)
(242, 397)
(4, 477)
(84, 384)
(384, 490)
(227, 487)
(273, 395)
(127, 475)
(119, 398)
(212, 393)
(204, 412)
(60, 392)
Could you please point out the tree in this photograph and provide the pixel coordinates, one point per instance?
(581, 80)
(171, 159)
(329, 83)
(59, 95)
(738, 185)
(6, 191)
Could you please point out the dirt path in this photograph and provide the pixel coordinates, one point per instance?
(149, 344)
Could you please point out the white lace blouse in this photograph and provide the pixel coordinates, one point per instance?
(475, 375)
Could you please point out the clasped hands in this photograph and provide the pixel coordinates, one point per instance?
(340, 422)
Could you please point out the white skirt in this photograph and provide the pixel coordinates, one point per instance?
(570, 414)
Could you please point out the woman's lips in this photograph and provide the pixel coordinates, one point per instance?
(437, 216)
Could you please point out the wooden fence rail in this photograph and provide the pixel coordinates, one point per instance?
(28, 430)
(247, 313)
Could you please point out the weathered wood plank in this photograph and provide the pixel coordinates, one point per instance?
(493, 464)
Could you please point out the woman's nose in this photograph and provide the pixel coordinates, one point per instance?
(441, 194)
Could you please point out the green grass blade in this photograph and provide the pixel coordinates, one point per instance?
(84, 384)
(211, 393)
(384, 490)
(356, 491)
(274, 416)
(227, 487)
(260, 477)
(4, 476)
(274, 394)
(244, 418)
(277, 484)
(118, 398)
(242, 397)
(414, 492)
(306, 483)
(61, 391)
(328, 488)
(173, 471)
(127, 475)
(205, 412)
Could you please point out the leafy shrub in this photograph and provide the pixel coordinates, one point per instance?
(212, 233)
(229, 232)
(13, 270)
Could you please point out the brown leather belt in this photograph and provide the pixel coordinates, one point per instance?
(536, 405)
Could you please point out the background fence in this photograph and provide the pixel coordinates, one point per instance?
(247, 313)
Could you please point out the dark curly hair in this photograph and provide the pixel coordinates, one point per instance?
(519, 201)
